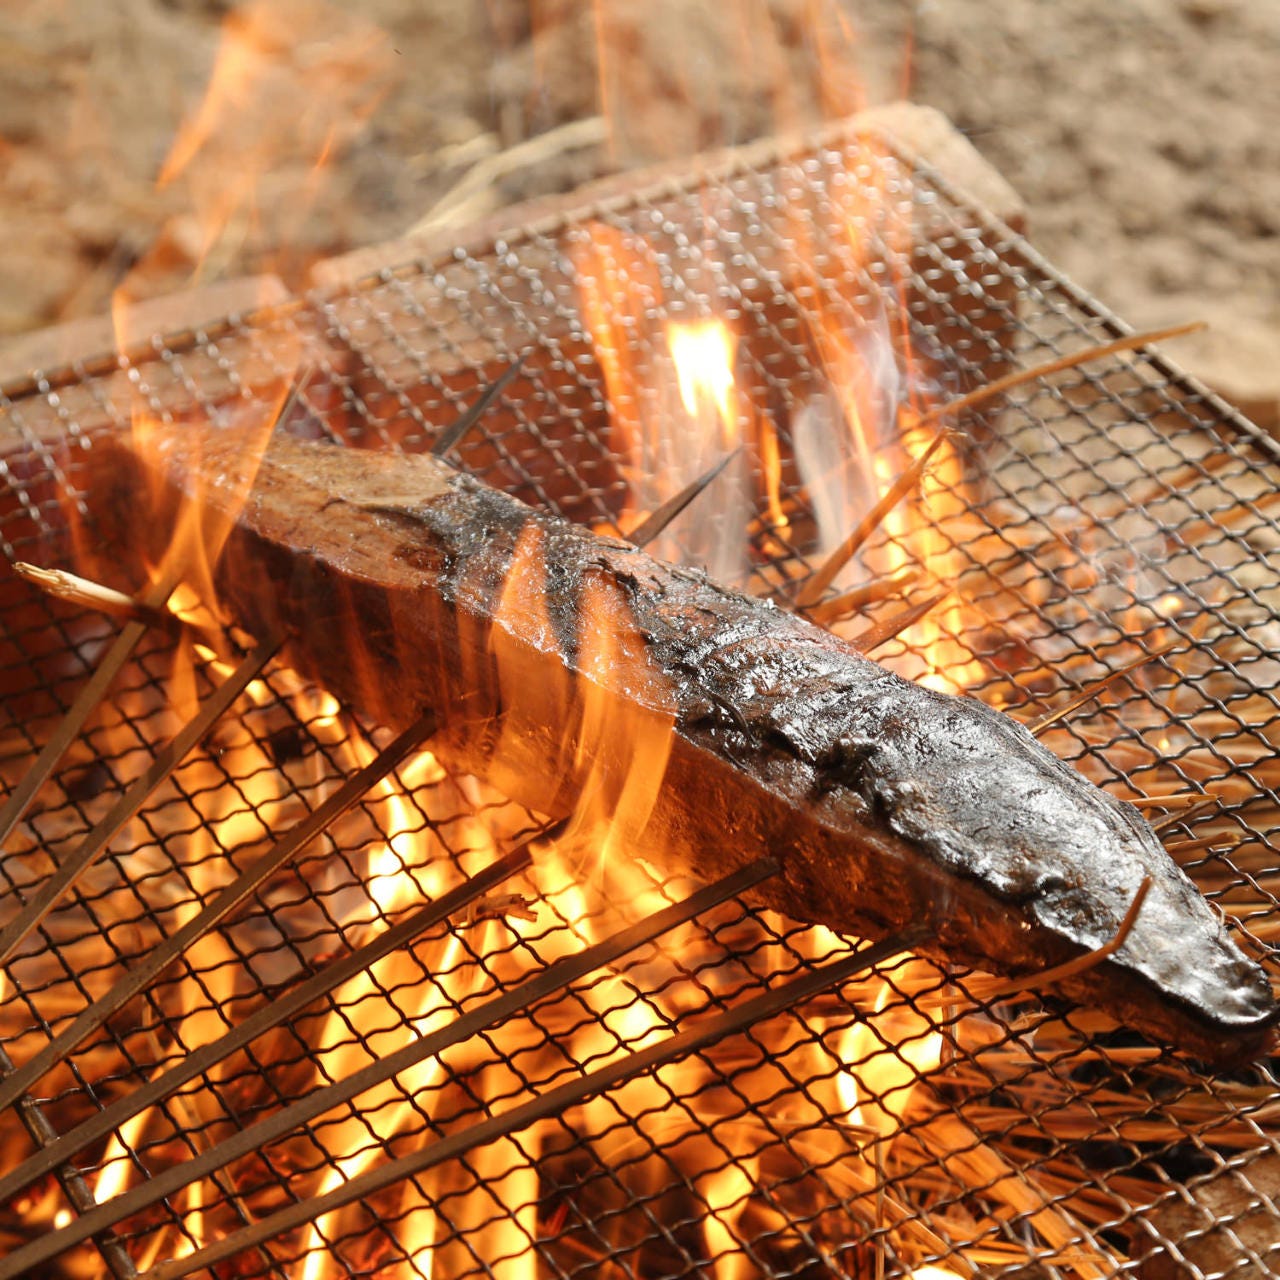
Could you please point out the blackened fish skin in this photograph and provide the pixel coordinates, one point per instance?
(887, 803)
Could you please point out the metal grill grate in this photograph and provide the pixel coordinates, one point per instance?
(1093, 515)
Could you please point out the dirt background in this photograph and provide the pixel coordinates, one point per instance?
(1144, 135)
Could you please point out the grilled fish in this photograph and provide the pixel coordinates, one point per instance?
(404, 585)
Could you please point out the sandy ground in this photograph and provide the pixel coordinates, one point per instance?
(1144, 134)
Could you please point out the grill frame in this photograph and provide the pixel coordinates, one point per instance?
(57, 413)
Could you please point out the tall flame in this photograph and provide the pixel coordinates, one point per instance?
(852, 443)
(703, 352)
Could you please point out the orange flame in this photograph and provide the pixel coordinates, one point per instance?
(851, 446)
(279, 102)
(771, 468)
(610, 714)
(886, 1056)
(620, 291)
(601, 724)
(670, 420)
(951, 664)
(628, 718)
(687, 441)
(703, 352)
(197, 532)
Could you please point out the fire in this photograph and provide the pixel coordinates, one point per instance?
(950, 666)
(852, 443)
(195, 536)
(612, 715)
(702, 431)
(886, 1056)
(726, 1193)
(619, 289)
(288, 88)
(771, 462)
(703, 352)
(622, 755)
(676, 407)
(843, 438)
(671, 419)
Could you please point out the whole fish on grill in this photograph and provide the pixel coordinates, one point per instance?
(406, 585)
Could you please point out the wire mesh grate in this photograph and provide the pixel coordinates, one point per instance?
(903, 1119)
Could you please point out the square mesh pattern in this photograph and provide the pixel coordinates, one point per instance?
(903, 1119)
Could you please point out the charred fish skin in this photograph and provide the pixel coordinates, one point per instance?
(985, 804)
(886, 802)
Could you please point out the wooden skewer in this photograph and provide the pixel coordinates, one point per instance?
(828, 611)
(453, 435)
(1193, 534)
(826, 574)
(882, 632)
(1072, 361)
(1186, 815)
(63, 585)
(1089, 692)
(1174, 800)
(1225, 843)
(1171, 486)
(92, 595)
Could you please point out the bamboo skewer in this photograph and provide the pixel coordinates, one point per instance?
(88, 594)
(1130, 342)
(269, 1016)
(1193, 811)
(682, 1043)
(822, 578)
(1224, 843)
(548, 981)
(1193, 535)
(92, 595)
(653, 526)
(1087, 694)
(70, 1179)
(882, 632)
(843, 606)
(1173, 800)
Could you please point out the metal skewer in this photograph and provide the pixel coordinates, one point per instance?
(882, 632)
(71, 1180)
(139, 977)
(265, 1019)
(555, 978)
(38, 906)
(649, 529)
(453, 436)
(78, 713)
(680, 1045)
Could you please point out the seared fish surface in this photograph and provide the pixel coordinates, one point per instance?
(405, 585)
